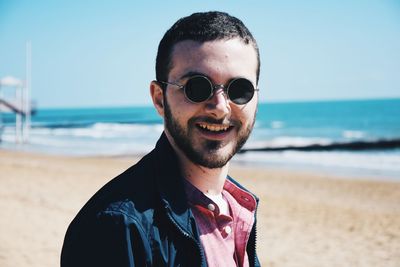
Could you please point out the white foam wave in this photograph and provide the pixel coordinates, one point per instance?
(350, 134)
(277, 124)
(101, 139)
(97, 131)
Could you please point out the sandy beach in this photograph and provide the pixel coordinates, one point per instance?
(304, 219)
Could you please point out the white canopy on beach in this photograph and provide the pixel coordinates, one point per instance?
(10, 81)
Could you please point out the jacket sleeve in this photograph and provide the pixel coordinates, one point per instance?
(112, 239)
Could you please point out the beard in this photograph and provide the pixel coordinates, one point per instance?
(206, 153)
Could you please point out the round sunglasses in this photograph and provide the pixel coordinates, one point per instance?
(199, 88)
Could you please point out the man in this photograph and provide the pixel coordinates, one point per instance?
(178, 206)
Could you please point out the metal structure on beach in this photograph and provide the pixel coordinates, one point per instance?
(19, 102)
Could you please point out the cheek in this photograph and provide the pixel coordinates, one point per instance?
(247, 114)
(181, 110)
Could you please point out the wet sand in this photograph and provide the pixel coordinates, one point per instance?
(304, 219)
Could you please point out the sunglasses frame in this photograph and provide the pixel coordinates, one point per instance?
(214, 87)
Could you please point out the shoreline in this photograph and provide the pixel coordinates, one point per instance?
(338, 172)
(304, 218)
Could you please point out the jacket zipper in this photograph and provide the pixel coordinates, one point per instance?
(187, 235)
(253, 245)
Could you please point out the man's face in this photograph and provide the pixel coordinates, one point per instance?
(211, 132)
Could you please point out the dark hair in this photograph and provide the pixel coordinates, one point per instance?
(201, 27)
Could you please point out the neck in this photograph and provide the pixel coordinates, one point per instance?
(209, 181)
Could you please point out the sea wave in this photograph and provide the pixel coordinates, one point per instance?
(97, 139)
(97, 131)
(352, 134)
(286, 141)
(317, 144)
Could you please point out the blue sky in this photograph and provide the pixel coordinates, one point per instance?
(102, 53)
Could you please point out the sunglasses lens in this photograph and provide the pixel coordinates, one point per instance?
(198, 89)
(240, 91)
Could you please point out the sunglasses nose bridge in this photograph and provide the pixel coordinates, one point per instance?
(215, 95)
(216, 87)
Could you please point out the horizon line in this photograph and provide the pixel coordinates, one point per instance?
(274, 101)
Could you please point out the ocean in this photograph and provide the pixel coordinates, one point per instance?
(359, 138)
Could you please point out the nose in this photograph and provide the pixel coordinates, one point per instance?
(218, 105)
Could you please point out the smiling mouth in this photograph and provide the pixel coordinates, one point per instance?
(214, 128)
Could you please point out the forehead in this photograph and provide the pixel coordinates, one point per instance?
(218, 59)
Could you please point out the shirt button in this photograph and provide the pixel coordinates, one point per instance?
(228, 230)
(211, 207)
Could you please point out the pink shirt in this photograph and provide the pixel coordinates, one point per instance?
(224, 238)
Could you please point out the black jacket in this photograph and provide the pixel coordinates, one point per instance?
(140, 218)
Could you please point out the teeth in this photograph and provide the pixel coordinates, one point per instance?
(214, 128)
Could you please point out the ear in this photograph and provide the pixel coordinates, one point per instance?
(157, 95)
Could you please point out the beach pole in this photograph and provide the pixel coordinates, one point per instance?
(27, 93)
(1, 114)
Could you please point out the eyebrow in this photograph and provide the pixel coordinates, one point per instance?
(194, 73)
(191, 74)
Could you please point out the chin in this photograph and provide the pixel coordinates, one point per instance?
(212, 158)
